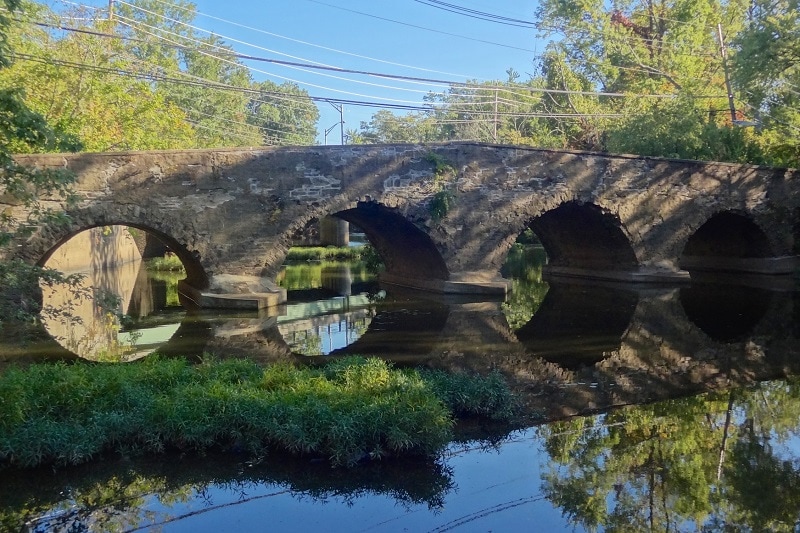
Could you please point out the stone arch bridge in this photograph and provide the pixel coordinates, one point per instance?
(442, 216)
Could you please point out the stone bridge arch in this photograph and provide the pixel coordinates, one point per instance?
(406, 250)
(583, 235)
(44, 242)
(733, 240)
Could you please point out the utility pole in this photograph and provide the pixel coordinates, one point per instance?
(496, 90)
(724, 54)
(110, 9)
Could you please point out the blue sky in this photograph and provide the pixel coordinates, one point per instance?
(398, 37)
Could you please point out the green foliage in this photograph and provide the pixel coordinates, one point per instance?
(473, 395)
(386, 127)
(125, 94)
(372, 259)
(22, 129)
(442, 170)
(283, 120)
(663, 60)
(524, 266)
(348, 411)
(443, 198)
(324, 253)
(766, 68)
(309, 275)
(714, 462)
(167, 263)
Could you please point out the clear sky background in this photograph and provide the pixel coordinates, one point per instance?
(398, 37)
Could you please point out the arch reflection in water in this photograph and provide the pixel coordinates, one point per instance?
(329, 305)
(579, 324)
(726, 313)
(338, 309)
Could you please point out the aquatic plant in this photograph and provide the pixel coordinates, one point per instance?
(350, 410)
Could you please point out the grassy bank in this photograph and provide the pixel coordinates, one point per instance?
(347, 411)
(324, 253)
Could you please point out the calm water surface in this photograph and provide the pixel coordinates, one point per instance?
(659, 408)
(700, 463)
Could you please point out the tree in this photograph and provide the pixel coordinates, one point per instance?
(148, 80)
(22, 128)
(766, 68)
(658, 48)
(283, 113)
(386, 127)
(74, 83)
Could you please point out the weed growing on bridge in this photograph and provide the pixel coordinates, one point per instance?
(443, 198)
(347, 411)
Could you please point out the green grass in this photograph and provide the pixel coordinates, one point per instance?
(324, 253)
(347, 411)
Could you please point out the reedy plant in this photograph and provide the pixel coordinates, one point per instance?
(351, 410)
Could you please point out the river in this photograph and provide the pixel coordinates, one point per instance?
(669, 408)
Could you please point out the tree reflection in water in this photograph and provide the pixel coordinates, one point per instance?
(728, 460)
(721, 461)
(125, 495)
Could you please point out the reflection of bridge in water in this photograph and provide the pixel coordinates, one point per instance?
(333, 324)
(589, 346)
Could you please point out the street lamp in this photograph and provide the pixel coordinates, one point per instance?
(340, 109)
(328, 131)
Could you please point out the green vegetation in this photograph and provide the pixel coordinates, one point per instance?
(309, 275)
(524, 266)
(724, 461)
(167, 263)
(347, 411)
(171, 279)
(443, 199)
(325, 253)
(660, 66)
(116, 84)
(116, 496)
(24, 130)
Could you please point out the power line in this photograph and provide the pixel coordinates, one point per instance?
(221, 86)
(476, 14)
(350, 93)
(423, 27)
(519, 90)
(296, 66)
(329, 49)
(388, 76)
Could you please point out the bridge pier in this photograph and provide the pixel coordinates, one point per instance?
(459, 283)
(226, 291)
(640, 275)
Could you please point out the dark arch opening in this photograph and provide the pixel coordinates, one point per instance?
(578, 325)
(406, 250)
(578, 235)
(728, 234)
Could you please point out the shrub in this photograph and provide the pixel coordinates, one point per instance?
(350, 410)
